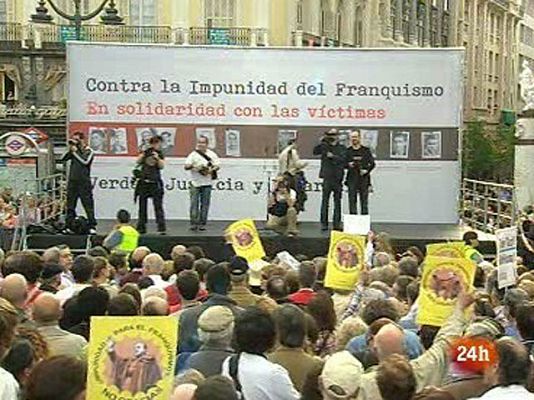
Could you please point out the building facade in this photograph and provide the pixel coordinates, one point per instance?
(32, 55)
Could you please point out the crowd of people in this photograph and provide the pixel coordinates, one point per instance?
(269, 333)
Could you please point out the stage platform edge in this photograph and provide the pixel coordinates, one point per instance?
(311, 242)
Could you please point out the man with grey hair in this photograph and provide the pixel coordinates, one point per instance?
(153, 265)
(215, 330)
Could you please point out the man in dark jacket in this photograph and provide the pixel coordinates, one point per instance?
(360, 163)
(79, 179)
(333, 161)
(218, 284)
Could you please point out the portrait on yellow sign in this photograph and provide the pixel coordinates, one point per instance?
(132, 358)
(345, 260)
(442, 281)
(245, 240)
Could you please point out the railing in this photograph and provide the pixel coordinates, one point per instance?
(127, 34)
(26, 113)
(488, 206)
(42, 202)
(220, 36)
(10, 32)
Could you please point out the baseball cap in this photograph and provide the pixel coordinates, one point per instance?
(332, 132)
(238, 267)
(215, 319)
(342, 375)
(50, 270)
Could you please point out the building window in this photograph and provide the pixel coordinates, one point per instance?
(3, 11)
(219, 13)
(143, 12)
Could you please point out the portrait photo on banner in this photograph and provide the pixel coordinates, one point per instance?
(210, 134)
(344, 137)
(168, 139)
(431, 144)
(98, 140)
(284, 137)
(370, 140)
(399, 142)
(143, 137)
(118, 141)
(232, 139)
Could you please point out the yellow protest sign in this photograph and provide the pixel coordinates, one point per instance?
(450, 250)
(132, 358)
(245, 240)
(443, 279)
(345, 260)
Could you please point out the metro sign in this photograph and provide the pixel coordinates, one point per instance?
(36, 134)
(15, 146)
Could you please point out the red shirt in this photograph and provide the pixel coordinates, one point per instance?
(175, 300)
(302, 297)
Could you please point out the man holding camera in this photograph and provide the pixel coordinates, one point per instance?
(203, 164)
(150, 184)
(360, 163)
(332, 171)
(80, 157)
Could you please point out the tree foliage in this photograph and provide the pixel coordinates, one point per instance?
(488, 152)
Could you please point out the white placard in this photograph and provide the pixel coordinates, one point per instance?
(286, 258)
(357, 224)
(265, 86)
(506, 256)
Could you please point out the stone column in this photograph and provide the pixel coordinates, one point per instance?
(439, 23)
(524, 159)
(428, 10)
(387, 27)
(413, 22)
(398, 21)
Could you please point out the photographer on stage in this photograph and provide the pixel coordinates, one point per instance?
(203, 164)
(332, 172)
(360, 163)
(150, 184)
(282, 208)
(80, 157)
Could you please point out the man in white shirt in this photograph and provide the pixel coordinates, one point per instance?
(253, 374)
(203, 165)
(509, 375)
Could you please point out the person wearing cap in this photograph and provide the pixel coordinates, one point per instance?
(150, 184)
(332, 171)
(240, 292)
(341, 377)
(51, 278)
(215, 330)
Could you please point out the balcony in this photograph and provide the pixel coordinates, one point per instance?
(222, 36)
(11, 35)
(52, 36)
(306, 39)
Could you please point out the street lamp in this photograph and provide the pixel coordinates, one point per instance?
(111, 16)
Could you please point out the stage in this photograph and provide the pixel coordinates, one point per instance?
(311, 241)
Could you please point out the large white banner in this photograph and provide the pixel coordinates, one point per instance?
(241, 191)
(249, 101)
(267, 86)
